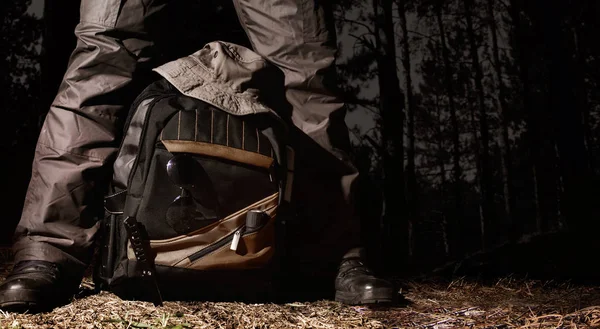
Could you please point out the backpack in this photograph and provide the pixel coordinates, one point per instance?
(198, 200)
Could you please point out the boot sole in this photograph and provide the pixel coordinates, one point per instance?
(19, 307)
(381, 296)
(22, 301)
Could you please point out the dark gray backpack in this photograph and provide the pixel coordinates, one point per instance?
(198, 196)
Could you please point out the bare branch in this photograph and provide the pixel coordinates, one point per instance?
(423, 35)
(363, 40)
(378, 148)
(345, 20)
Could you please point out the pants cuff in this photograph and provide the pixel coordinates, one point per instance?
(26, 248)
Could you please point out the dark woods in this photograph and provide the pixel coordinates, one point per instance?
(19, 97)
(485, 134)
(484, 147)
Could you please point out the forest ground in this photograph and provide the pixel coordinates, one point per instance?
(461, 302)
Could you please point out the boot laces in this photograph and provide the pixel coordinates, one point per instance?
(354, 266)
(33, 266)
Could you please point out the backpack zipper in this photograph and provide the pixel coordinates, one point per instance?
(152, 94)
(143, 135)
(240, 233)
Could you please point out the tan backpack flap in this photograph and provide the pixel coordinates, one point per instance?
(210, 132)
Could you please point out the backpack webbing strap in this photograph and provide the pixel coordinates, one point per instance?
(289, 180)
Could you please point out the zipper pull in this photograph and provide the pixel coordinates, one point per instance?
(236, 240)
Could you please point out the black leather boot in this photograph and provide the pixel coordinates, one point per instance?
(36, 286)
(356, 284)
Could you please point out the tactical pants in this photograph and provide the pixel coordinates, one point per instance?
(119, 41)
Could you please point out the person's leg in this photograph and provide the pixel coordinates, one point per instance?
(55, 236)
(119, 42)
(298, 36)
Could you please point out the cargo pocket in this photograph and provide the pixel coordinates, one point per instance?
(102, 12)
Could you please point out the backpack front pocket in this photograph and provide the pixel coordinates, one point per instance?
(231, 243)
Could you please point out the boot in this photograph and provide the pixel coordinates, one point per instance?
(36, 286)
(356, 284)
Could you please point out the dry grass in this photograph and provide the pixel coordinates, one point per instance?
(506, 303)
(107, 311)
(433, 304)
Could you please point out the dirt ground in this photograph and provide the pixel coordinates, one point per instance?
(505, 302)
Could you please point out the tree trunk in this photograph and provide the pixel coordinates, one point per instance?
(564, 106)
(442, 168)
(457, 171)
(504, 141)
(532, 127)
(485, 173)
(476, 147)
(583, 99)
(409, 104)
(391, 102)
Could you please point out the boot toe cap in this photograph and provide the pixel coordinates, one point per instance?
(33, 289)
(364, 290)
(22, 294)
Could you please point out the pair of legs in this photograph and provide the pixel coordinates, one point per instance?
(119, 42)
